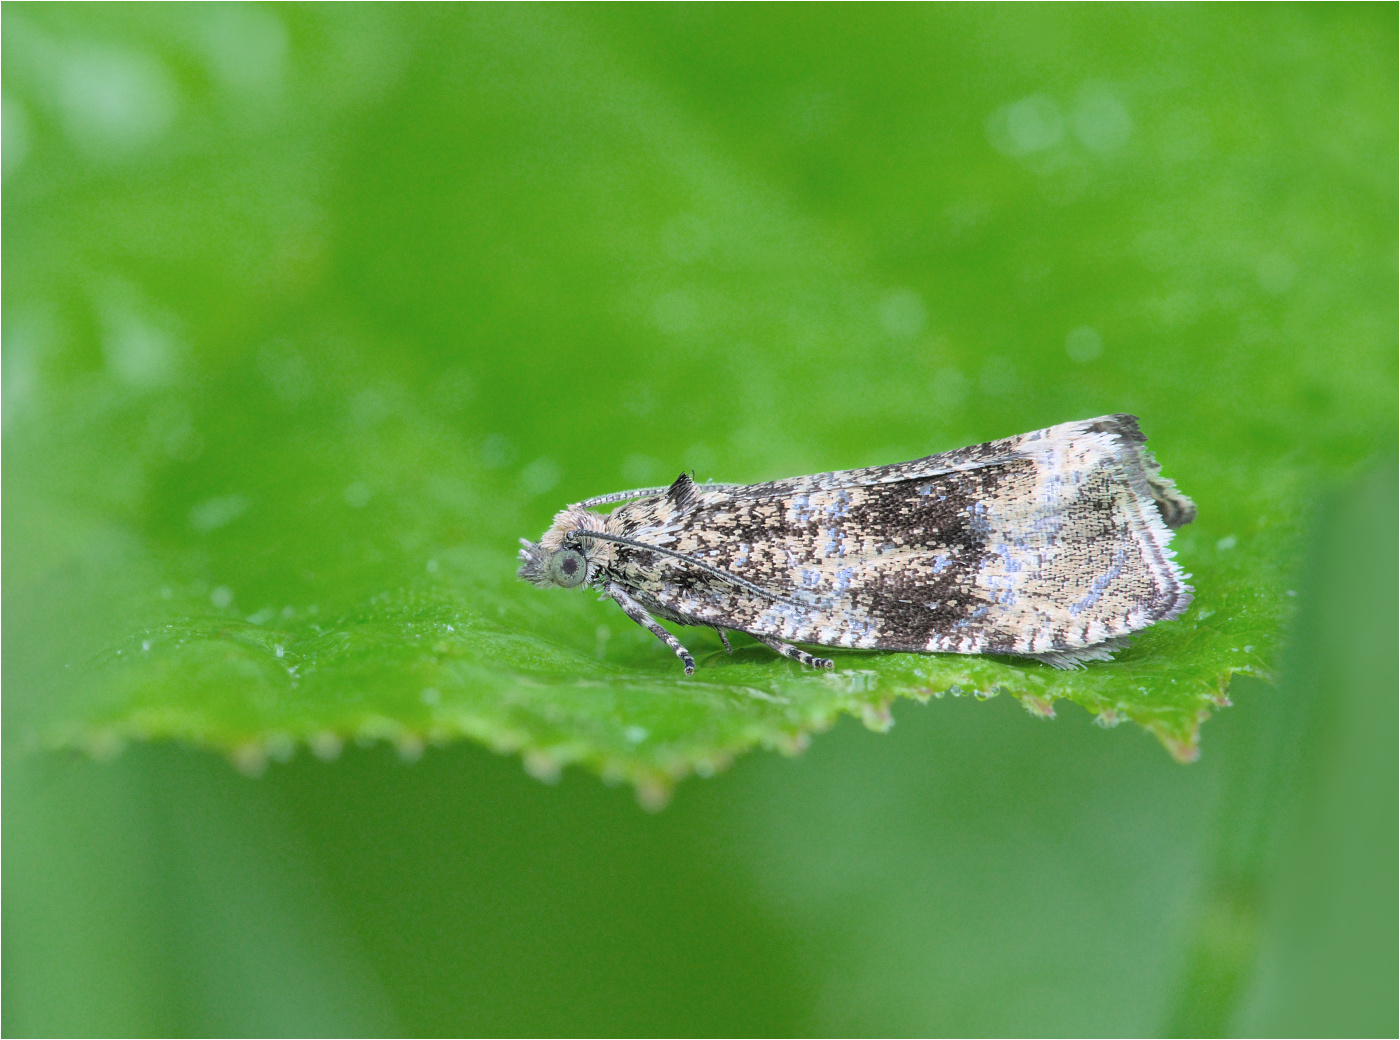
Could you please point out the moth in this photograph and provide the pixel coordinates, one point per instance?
(1051, 545)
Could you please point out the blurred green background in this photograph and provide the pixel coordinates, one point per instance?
(311, 310)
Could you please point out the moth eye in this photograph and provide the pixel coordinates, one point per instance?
(568, 568)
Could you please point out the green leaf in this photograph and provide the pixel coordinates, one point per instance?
(288, 375)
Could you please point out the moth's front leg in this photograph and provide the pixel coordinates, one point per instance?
(634, 610)
(788, 650)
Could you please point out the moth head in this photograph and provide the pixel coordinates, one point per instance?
(565, 566)
(560, 558)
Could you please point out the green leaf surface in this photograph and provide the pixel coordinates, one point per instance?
(295, 352)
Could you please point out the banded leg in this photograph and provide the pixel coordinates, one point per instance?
(788, 650)
(634, 610)
(725, 640)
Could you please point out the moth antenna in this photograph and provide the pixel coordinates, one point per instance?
(708, 568)
(623, 496)
(620, 496)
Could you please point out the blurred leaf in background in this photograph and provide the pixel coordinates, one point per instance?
(312, 311)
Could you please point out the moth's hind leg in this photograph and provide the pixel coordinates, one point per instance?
(788, 650)
(723, 638)
(634, 610)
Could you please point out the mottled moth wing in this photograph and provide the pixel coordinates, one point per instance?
(1051, 544)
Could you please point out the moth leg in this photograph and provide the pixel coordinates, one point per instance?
(634, 610)
(725, 640)
(788, 650)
